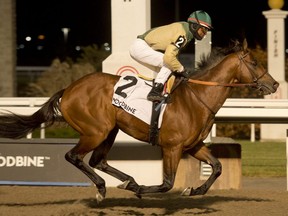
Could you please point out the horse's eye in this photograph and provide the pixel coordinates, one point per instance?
(254, 63)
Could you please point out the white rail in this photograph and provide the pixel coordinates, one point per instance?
(254, 111)
(233, 111)
(274, 111)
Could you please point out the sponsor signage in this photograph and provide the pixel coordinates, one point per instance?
(38, 162)
(42, 162)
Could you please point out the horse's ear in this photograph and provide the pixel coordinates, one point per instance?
(245, 44)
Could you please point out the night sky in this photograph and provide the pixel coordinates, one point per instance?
(90, 23)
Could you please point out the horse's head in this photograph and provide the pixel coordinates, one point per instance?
(250, 71)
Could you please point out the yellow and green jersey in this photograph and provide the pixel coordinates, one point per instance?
(169, 39)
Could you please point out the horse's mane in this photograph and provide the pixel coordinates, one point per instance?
(216, 55)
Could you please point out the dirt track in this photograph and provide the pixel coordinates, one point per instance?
(257, 197)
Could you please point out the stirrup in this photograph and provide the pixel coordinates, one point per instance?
(155, 97)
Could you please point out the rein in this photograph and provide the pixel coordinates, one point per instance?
(210, 83)
(199, 99)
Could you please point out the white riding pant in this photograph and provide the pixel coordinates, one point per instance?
(144, 54)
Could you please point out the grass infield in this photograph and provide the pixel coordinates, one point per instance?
(263, 159)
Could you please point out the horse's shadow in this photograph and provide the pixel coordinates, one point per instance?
(171, 203)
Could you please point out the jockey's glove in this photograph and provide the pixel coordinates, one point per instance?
(186, 73)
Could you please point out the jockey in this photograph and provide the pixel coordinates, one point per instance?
(160, 46)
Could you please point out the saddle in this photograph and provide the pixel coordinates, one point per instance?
(130, 94)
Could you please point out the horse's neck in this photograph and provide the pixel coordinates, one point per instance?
(223, 73)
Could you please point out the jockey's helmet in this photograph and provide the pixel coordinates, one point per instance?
(199, 19)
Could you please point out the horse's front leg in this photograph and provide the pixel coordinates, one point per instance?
(171, 158)
(202, 153)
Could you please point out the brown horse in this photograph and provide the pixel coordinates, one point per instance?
(86, 106)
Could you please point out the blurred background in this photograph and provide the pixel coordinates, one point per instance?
(51, 29)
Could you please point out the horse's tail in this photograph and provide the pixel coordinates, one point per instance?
(18, 126)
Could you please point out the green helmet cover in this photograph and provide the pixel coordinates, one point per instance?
(201, 17)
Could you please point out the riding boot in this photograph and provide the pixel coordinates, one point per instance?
(156, 92)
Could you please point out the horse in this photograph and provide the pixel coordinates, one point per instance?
(189, 116)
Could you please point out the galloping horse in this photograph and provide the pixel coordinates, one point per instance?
(86, 106)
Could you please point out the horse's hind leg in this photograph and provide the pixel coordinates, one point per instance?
(202, 153)
(171, 158)
(103, 166)
(98, 161)
(75, 156)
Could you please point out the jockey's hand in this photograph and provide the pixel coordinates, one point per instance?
(186, 73)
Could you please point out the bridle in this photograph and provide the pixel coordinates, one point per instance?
(210, 83)
(247, 64)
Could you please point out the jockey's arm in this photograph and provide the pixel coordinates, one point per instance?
(171, 60)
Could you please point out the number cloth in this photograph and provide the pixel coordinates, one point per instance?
(130, 93)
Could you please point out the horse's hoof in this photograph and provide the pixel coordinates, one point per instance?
(99, 197)
(186, 191)
(197, 192)
(124, 185)
(138, 195)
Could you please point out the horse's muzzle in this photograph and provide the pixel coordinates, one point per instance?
(266, 89)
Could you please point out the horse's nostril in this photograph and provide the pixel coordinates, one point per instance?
(276, 85)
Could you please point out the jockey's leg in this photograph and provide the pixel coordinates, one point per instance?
(144, 54)
(156, 92)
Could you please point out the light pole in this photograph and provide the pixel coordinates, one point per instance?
(65, 33)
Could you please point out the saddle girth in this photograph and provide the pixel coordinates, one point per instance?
(156, 108)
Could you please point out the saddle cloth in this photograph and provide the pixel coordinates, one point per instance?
(130, 93)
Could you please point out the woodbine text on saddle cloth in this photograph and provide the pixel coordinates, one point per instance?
(130, 93)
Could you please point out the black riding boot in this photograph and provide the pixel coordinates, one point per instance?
(156, 92)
